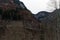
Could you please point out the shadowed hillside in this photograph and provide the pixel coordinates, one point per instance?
(18, 23)
(13, 17)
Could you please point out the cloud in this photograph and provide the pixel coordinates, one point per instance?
(35, 5)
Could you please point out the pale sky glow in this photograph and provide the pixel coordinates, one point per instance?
(35, 5)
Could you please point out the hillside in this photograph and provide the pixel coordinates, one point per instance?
(12, 20)
(18, 23)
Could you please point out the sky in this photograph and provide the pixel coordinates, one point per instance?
(35, 6)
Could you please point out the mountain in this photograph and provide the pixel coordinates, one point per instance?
(17, 22)
(42, 15)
